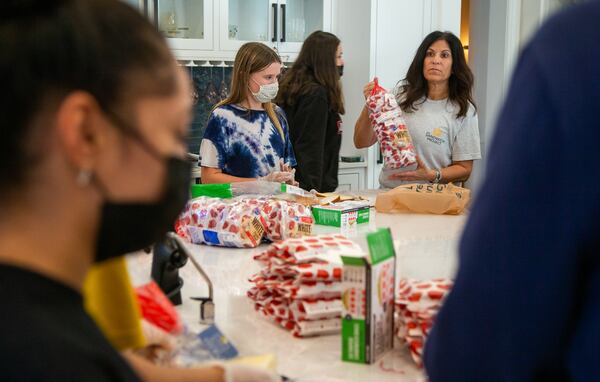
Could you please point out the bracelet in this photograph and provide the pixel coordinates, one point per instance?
(438, 176)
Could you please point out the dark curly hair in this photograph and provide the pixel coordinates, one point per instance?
(460, 84)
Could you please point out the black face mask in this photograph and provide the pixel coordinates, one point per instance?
(340, 70)
(128, 227)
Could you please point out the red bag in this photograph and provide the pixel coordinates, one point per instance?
(243, 221)
(393, 136)
(300, 287)
(157, 309)
(311, 249)
(285, 219)
(316, 271)
(226, 223)
(417, 305)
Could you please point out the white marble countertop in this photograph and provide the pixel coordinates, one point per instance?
(425, 247)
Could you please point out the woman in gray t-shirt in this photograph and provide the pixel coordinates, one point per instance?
(439, 112)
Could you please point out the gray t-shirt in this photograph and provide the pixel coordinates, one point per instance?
(439, 136)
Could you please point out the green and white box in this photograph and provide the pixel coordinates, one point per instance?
(368, 300)
(343, 214)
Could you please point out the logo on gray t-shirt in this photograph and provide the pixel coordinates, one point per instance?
(436, 136)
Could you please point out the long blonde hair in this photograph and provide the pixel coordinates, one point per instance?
(252, 57)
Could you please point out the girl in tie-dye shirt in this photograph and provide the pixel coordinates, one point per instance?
(247, 135)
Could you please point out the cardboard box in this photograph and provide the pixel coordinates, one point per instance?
(368, 300)
(343, 214)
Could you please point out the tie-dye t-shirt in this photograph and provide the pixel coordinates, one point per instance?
(245, 143)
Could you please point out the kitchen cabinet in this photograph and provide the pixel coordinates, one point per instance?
(298, 19)
(242, 21)
(281, 24)
(215, 29)
(351, 176)
(188, 24)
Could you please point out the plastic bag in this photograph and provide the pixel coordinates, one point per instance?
(300, 287)
(286, 220)
(257, 188)
(295, 289)
(312, 328)
(315, 271)
(417, 305)
(228, 223)
(303, 316)
(242, 221)
(276, 191)
(305, 310)
(323, 248)
(157, 309)
(393, 136)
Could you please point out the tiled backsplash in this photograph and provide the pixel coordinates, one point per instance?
(211, 84)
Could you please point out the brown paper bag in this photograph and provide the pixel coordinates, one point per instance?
(424, 198)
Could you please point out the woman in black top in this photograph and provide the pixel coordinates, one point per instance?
(95, 112)
(311, 95)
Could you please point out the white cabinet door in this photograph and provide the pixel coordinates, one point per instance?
(351, 179)
(218, 28)
(188, 24)
(281, 24)
(242, 21)
(299, 18)
(348, 182)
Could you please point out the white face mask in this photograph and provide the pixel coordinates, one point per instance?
(266, 92)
